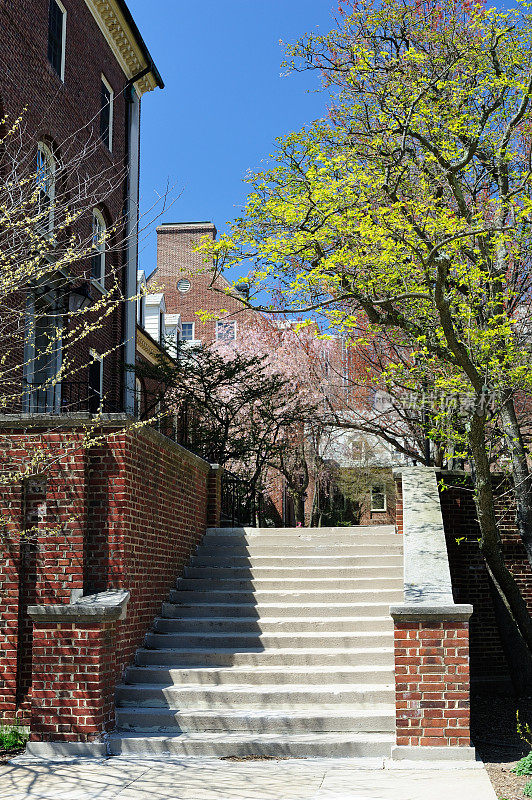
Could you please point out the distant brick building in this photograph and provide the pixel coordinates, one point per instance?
(188, 287)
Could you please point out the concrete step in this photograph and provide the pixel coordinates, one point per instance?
(283, 583)
(244, 696)
(271, 624)
(225, 745)
(310, 611)
(301, 540)
(290, 596)
(323, 562)
(342, 530)
(297, 549)
(286, 657)
(374, 673)
(275, 639)
(375, 571)
(280, 721)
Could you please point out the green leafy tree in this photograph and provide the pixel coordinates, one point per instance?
(405, 215)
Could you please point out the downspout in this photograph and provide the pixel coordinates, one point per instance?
(132, 121)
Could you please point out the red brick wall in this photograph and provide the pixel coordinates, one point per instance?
(432, 684)
(469, 574)
(123, 514)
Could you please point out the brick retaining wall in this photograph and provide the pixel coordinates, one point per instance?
(125, 514)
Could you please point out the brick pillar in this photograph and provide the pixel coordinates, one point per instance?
(73, 681)
(214, 496)
(432, 685)
(76, 656)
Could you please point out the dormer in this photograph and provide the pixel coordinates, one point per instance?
(155, 314)
(172, 333)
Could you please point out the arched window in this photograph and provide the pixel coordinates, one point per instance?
(99, 234)
(45, 181)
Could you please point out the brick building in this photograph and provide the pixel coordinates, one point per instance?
(186, 281)
(182, 285)
(78, 90)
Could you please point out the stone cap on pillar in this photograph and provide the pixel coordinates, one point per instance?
(100, 607)
(428, 592)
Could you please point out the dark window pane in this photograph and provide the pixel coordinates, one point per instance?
(55, 36)
(94, 386)
(96, 267)
(105, 115)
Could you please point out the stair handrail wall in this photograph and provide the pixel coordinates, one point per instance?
(431, 634)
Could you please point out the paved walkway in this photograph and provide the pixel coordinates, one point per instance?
(208, 779)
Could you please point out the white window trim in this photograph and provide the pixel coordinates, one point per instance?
(385, 506)
(233, 321)
(63, 39)
(100, 280)
(43, 148)
(193, 331)
(109, 142)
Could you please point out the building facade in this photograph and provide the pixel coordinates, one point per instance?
(73, 74)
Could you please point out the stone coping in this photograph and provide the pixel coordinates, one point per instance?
(101, 607)
(421, 612)
(428, 592)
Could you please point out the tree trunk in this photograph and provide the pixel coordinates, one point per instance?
(490, 543)
(522, 480)
(299, 507)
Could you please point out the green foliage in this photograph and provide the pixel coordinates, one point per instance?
(527, 791)
(524, 766)
(524, 731)
(12, 737)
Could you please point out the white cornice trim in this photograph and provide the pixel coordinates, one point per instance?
(121, 40)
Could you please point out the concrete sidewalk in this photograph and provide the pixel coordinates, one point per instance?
(209, 779)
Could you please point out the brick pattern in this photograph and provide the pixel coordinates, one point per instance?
(73, 676)
(432, 683)
(469, 574)
(125, 514)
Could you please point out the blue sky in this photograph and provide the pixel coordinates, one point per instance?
(224, 101)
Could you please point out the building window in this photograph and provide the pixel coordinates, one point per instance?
(142, 310)
(45, 181)
(226, 330)
(378, 498)
(187, 331)
(161, 326)
(99, 232)
(183, 285)
(138, 397)
(106, 114)
(57, 37)
(95, 382)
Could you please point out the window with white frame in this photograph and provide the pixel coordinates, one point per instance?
(106, 113)
(226, 330)
(99, 232)
(378, 497)
(57, 37)
(45, 182)
(187, 331)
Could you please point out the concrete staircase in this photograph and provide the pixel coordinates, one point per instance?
(277, 642)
